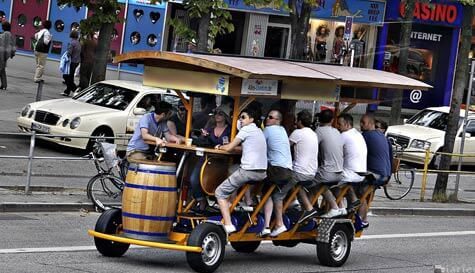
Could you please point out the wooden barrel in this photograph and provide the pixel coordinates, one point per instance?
(149, 200)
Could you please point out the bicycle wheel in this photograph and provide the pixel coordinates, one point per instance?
(105, 191)
(401, 184)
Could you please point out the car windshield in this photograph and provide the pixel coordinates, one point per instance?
(107, 96)
(432, 119)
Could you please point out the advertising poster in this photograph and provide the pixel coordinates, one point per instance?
(64, 19)
(26, 20)
(4, 11)
(143, 29)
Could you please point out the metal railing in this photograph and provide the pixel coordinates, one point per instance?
(30, 157)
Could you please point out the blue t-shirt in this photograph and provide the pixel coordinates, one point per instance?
(278, 147)
(154, 128)
(379, 159)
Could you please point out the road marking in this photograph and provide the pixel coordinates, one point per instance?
(365, 237)
(412, 235)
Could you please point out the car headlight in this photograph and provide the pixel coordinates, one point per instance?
(25, 110)
(75, 123)
(420, 144)
(65, 122)
(32, 112)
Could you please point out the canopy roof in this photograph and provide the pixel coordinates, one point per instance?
(245, 68)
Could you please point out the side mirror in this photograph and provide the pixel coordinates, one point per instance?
(467, 135)
(404, 121)
(140, 111)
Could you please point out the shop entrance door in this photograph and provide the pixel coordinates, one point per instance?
(277, 41)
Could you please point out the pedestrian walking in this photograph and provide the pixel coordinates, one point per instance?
(41, 47)
(7, 51)
(74, 55)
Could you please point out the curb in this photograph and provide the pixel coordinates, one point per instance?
(422, 211)
(44, 207)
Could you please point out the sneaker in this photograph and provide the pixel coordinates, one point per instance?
(343, 211)
(332, 213)
(229, 228)
(307, 215)
(265, 232)
(278, 231)
(364, 224)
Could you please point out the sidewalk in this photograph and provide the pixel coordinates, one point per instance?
(49, 199)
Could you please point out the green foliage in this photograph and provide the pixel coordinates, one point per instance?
(468, 2)
(182, 30)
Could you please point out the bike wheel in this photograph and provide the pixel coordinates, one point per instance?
(401, 184)
(105, 191)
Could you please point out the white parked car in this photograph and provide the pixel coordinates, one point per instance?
(108, 108)
(427, 129)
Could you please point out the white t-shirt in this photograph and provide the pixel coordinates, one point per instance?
(354, 154)
(254, 148)
(305, 143)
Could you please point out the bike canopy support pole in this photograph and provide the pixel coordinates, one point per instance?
(30, 162)
(424, 175)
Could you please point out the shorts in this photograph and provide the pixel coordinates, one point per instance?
(328, 177)
(236, 180)
(281, 192)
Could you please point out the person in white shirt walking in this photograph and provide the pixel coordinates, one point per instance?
(42, 46)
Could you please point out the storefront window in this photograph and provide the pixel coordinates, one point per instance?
(326, 43)
(37, 21)
(151, 40)
(59, 25)
(135, 37)
(22, 20)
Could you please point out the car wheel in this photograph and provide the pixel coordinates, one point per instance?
(98, 135)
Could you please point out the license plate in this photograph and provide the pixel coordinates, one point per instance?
(40, 128)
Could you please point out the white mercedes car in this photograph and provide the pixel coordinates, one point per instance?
(108, 108)
(426, 130)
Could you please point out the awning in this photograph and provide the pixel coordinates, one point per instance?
(247, 68)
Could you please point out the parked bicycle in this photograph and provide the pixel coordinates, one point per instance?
(403, 176)
(105, 188)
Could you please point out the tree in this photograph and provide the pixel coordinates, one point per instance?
(103, 19)
(461, 75)
(213, 19)
(405, 40)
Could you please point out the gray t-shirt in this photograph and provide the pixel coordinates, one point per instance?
(254, 148)
(330, 149)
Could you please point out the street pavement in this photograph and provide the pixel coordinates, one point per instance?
(60, 185)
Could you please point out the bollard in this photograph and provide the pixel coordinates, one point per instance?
(30, 162)
(39, 91)
(424, 175)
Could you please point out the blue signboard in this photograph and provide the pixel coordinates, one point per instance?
(4, 11)
(63, 19)
(145, 3)
(143, 30)
(361, 11)
(267, 9)
(437, 12)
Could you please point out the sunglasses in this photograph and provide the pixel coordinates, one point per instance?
(270, 117)
(221, 113)
(243, 117)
